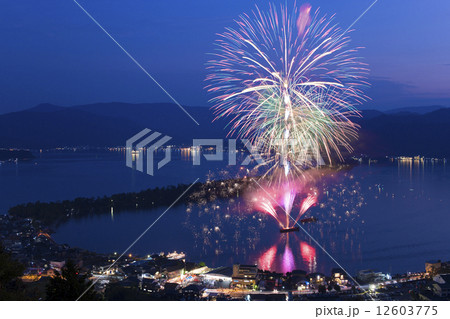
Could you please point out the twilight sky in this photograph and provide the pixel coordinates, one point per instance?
(52, 52)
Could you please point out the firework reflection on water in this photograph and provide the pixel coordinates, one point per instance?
(233, 231)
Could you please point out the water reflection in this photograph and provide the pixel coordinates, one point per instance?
(266, 261)
(232, 231)
(288, 263)
(385, 216)
(288, 254)
(309, 256)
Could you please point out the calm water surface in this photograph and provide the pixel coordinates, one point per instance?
(391, 217)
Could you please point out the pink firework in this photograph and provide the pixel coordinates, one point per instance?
(306, 204)
(266, 206)
(278, 201)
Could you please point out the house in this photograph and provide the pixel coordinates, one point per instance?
(316, 279)
(339, 277)
(106, 270)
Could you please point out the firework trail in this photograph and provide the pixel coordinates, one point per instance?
(288, 202)
(288, 82)
(306, 204)
(286, 198)
(266, 206)
(304, 18)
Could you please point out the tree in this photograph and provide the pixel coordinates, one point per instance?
(70, 285)
(10, 270)
(322, 289)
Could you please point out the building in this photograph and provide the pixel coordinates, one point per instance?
(107, 270)
(316, 279)
(441, 285)
(435, 267)
(218, 278)
(270, 280)
(339, 277)
(370, 276)
(174, 255)
(244, 276)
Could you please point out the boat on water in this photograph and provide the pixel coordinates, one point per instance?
(308, 220)
(297, 228)
(289, 229)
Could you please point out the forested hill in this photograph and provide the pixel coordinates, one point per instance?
(405, 132)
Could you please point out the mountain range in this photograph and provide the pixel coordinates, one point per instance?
(405, 131)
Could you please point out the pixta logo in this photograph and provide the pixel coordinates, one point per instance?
(146, 143)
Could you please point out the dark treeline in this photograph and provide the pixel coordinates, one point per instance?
(54, 213)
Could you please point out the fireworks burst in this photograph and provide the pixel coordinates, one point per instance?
(306, 204)
(273, 196)
(289, 83)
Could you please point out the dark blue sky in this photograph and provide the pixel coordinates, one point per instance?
(52, 52)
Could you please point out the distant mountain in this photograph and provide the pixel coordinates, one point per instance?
(405, 134)
(46, 108)
(370, 114)
(66, 127)
(103, 124)
(166, 118)
(416, 109)
(111, 124)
